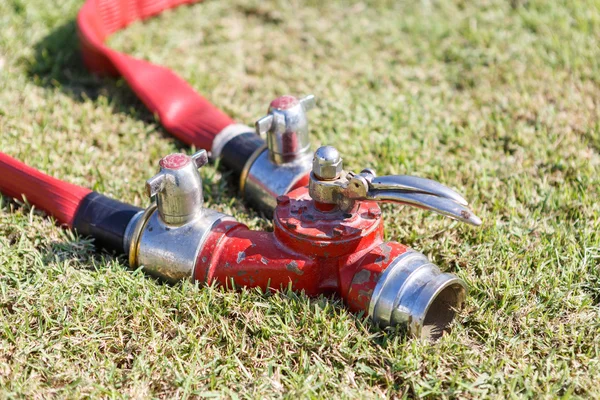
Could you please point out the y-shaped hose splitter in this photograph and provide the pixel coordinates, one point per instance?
(327, 238)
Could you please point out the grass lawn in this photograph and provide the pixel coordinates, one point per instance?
(498, 99)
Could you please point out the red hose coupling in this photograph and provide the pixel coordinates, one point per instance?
(327, 239)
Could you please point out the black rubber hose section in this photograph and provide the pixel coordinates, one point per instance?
(105, 220)
(238, 150)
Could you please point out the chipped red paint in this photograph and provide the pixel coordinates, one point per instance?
(175, 161)
(300, 226)
(284, 102)
(316, 251)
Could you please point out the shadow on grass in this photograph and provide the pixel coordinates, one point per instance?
(57, 64)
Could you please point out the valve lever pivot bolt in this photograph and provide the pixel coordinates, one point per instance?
(327, 163)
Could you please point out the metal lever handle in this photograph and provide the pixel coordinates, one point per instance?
(417, 185)
(419, 192)
(329, 184)
(436, 204)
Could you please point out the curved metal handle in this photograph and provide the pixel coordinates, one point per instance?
(416, 185)
(422, 193)
(330, 185)
(429, 202)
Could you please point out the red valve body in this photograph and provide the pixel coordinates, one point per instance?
(318, 252)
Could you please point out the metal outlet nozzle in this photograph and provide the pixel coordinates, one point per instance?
(414, 293)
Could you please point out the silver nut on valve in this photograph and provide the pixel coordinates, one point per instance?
(327, 163)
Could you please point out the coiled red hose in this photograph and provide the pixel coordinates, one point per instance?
(182, 111)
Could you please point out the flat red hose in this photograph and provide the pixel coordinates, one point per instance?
(182, 111)
(59, 199)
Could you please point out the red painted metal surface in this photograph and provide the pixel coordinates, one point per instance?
(284, 102)
(314, 251)
(58, 198)
(175, 161)
(182, 111)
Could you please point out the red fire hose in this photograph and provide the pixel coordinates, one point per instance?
(57, 198)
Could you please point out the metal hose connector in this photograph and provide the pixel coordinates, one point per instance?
(414, 293)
